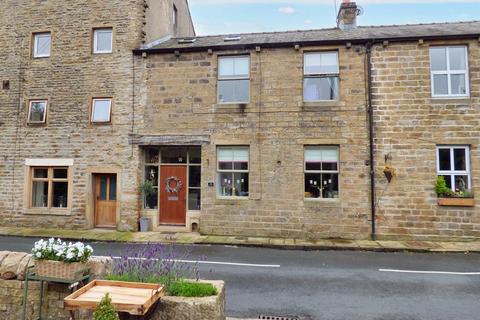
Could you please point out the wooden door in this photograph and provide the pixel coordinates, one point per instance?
(173, 195)
(106, 200)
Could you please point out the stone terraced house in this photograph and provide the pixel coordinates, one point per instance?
(283, 134)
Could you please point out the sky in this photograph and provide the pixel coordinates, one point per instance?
(244, 16)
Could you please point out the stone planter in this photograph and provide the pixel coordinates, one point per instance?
(181, 308)
(456, 202)
(58, 269)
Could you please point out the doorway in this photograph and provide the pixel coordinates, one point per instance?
(173, 193)
(106, 200)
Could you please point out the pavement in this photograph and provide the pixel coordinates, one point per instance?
(279, 243)
(329, 284)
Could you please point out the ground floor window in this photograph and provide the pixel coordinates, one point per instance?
(453, 163)
(190, 157)
(232, 171)
(49, 187)
(321, 169)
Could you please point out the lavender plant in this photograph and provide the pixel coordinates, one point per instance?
(154, 263)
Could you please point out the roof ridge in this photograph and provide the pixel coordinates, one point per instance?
(332, 28)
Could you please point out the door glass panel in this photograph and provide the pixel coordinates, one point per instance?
(40, 173)
(151, 174)
(194, 176)
(444, 159)
(194, 199)
(60, 194)
(195, 155)
(113, 188)
(103, 188)
(40, 194)
(60, 173)
(174, 155)
(151, 155)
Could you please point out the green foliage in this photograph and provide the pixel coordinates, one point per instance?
(191, 289)
(105, 310)
(178, 288)
(147, 188)
(441, 187)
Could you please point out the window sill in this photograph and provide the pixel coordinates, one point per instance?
(322, 202)
(450, 100)
(47, 212)
(229, 107)
(231, 200)
(456, 202)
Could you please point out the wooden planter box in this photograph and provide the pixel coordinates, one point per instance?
(60, 270)
(132, 297)
(456, 202)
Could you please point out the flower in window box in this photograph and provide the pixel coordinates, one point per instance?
(389, 172)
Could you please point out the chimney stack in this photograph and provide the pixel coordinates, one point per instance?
(347, 15)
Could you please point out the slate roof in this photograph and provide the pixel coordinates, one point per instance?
(466, 29)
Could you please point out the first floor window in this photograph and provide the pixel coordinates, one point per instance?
(321, 76)
(453, 163)
(49, 187)
(321, 172)
(101, 110)
(232, 171)
(37, 111)
(234, 79)
(41, 45)
(102, 40)
(449, 71)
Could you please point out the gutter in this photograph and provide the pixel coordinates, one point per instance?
(368, 47)
(239, 46)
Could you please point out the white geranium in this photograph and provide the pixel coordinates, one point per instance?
(58, 250)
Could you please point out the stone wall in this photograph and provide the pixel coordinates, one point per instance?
(276, 125)
(409, 124)
(69, 79)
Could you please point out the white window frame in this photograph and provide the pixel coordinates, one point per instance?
(449, 74)
(36, 37)
(320, 75)
(95, 40)
(222, 78)
(453, 173)
(305, 171)
(92, 112)
(232, 171)
(30, 109)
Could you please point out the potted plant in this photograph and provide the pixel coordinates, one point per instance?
(105, 310)
(448, 197)
(389, 172)
(57, 259)
(147, 189)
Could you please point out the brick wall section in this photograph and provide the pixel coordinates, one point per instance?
(408, 126)
(276, 124)
(69, 79)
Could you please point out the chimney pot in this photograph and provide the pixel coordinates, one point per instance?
(347, 15)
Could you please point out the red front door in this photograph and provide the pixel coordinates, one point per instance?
(173, 193)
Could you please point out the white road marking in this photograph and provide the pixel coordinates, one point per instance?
(431, 272)
(216, 262)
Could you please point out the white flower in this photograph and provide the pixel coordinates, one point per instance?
(38, 254)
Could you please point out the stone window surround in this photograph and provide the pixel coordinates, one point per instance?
(45, 117)
(94, 39)
(453, 173)
(450, 96)
(34, 44)
(46, 162)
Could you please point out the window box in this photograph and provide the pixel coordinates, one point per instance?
(456, 202)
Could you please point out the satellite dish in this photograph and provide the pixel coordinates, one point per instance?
(359, 10)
